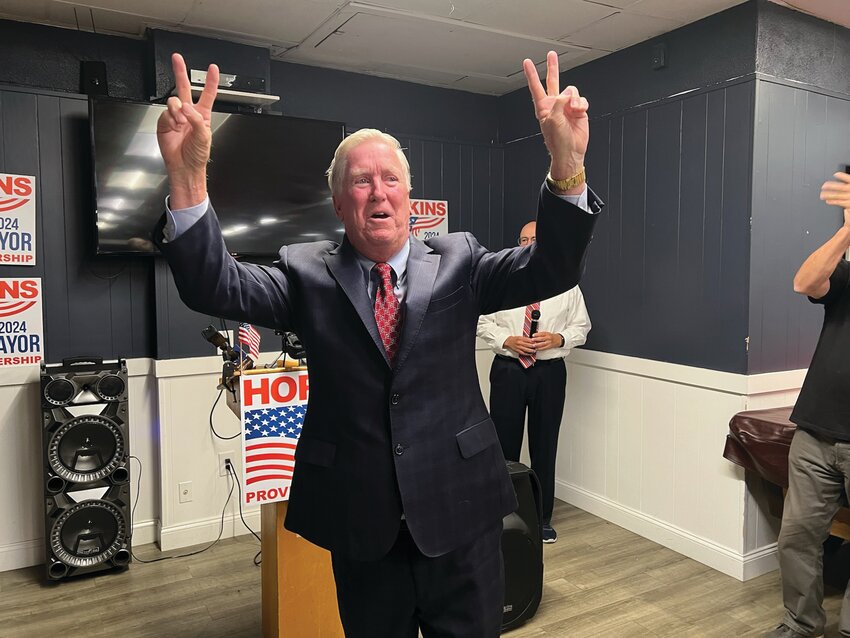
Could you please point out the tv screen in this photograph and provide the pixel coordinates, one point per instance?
(266, 178)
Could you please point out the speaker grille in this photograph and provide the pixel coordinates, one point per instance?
(60, 391)
(110, 387)
(88, 533)
(86, 449)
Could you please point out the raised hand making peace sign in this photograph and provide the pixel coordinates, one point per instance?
(184, 136)
(562, 116)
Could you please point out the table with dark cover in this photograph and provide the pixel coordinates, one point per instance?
(759, 441)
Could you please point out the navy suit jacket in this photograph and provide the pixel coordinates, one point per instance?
(380, 441)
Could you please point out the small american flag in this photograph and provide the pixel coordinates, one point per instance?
(270, 438)
(249, 337)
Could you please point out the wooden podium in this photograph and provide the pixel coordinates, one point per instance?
(298, 590)
(299, 595)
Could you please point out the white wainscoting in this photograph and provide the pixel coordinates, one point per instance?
(641, 445)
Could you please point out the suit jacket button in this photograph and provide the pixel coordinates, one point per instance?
(395, 398)
(399, 449)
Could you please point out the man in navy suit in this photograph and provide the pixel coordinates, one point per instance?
(399, 472)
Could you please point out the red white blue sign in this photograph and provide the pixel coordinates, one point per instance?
(17, 220)
(274, 405)
(429, 218)
(21, 324)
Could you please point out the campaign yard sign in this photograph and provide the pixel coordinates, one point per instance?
(429, 218)
(273, 408)
(21, 326)
(17, 220)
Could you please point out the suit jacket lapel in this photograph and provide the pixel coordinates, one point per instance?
(422, 266)
(343, 264)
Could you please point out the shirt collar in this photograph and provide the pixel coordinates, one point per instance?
(397, 262)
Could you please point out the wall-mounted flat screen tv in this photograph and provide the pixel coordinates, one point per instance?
(266, 178)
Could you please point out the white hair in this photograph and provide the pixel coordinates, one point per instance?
(336, 171)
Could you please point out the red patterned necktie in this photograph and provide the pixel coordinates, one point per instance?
(387, 313)
(527, 360)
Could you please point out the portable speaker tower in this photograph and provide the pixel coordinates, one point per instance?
(86, 461)
(522, 549)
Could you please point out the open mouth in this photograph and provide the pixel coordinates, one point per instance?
(380, 216)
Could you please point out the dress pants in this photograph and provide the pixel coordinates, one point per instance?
(542, 389)
(818, 470)
(457, 595)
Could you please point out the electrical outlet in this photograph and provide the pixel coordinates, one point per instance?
(222, 467)
(185, 491)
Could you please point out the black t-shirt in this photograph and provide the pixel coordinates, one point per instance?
(824, 403)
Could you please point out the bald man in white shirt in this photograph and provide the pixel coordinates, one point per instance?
(528, 373)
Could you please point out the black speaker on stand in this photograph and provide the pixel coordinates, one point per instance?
(522, 549)
(86, 461)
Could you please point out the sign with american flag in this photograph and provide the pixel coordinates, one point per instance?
(273, 408)
(429, 218)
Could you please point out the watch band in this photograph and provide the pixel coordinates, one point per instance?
(566, 184)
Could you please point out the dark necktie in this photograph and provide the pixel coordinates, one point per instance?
(527, 360)
(387, 313)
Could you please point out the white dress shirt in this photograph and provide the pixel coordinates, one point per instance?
(565, 314)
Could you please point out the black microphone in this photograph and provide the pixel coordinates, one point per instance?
(535, 317)
(228, 352)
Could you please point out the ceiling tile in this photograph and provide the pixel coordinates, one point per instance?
(620, 4)
(683, 12)
(621, 30)
(540, 18)
(267, 20)
(414, 42)
(163, 10)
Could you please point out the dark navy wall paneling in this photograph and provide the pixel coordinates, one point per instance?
(91, 306)
(391, 105)
(711, 51)
(667, 272)
(801, 139)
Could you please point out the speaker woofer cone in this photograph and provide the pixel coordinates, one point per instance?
(88, 533)
(86, 449)
(60, 391)
(110, 387)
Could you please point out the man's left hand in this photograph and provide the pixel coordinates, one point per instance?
(562, 116)
(546, 340)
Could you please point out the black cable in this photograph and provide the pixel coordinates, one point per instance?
(212, 427)
(195, 553)
(230, 470)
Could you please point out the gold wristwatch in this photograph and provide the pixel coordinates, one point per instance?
(566, 184)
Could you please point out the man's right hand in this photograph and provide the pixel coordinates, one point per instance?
(520, 345)
(185, 138)
(838, 194)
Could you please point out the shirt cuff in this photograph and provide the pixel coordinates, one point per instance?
(579, 200)
(180, 220)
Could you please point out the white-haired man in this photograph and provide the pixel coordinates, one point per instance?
(398, 469)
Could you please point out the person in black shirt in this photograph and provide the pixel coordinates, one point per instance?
(819, 460)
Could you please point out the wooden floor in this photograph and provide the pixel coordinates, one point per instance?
(600, 581)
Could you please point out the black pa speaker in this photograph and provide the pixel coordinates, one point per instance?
(93, 77)
(522, 549)
(86, 462)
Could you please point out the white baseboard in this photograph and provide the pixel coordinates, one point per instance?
(22, 554)
(206, 530)
(723, 559)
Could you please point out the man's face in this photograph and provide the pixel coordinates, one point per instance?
(528, 234)
(374, 204)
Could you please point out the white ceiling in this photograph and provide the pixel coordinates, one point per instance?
(471, 45)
